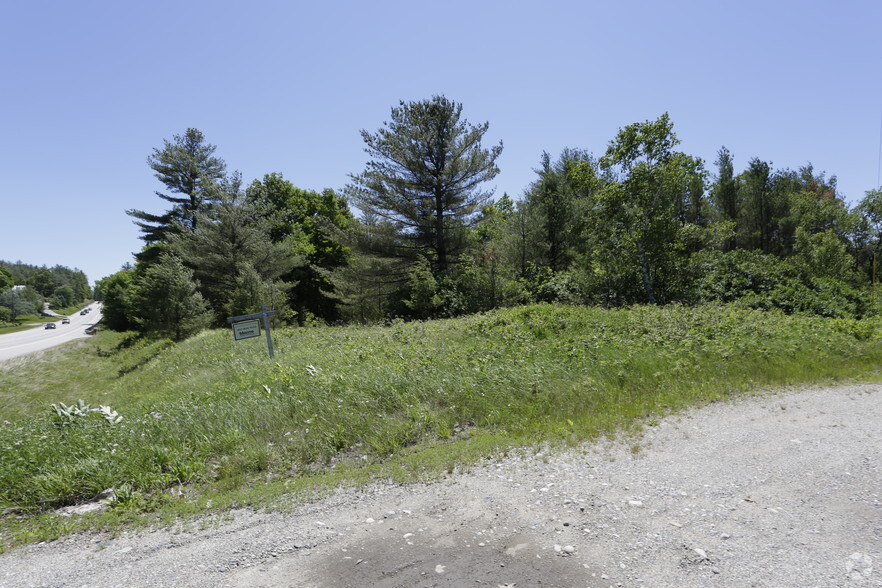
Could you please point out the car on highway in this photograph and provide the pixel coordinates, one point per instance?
(49, 326)
(65, 321)
(82, 312)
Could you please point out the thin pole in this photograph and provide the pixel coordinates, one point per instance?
(266, 327)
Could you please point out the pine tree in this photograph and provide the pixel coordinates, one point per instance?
(425, 174)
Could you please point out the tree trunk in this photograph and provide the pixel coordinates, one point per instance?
(440, 239)
(644, 269)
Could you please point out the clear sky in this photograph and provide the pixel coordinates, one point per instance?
(89, 88)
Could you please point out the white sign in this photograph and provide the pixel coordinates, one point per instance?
(246, 329)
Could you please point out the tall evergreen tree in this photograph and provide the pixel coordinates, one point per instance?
(425, 173)
(758, 226)
(166, 300)
(724, 193)
(187, 167)
(231, 238)
(551, 204)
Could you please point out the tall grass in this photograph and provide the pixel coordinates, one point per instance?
(211, 415)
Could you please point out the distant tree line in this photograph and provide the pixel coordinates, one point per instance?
(59, 286)
(641, 222)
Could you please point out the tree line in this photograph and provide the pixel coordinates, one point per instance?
(641, 222)
(60, 286)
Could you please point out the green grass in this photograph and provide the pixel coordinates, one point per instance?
(214, 422)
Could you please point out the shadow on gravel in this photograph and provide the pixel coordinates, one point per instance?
(515, 562)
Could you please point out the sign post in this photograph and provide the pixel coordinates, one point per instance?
(247, 326)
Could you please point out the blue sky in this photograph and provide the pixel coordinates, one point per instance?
(90, 88)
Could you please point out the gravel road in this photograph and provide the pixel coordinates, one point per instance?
(782, 489)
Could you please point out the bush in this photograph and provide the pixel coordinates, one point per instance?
(752, 279)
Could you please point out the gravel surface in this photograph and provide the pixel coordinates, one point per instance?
(782, 489)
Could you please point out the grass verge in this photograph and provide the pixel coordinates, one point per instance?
(214, 424)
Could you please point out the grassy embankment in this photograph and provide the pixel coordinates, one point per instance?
(212, 424)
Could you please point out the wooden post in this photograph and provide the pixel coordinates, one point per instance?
(266, 325)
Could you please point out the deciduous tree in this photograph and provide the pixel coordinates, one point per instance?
(315, 225)
(640, 204)
(6, 281)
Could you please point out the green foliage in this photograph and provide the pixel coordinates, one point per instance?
(115, 292)
(213, 416)
(824, 297)
(640, 212)
(63, 296)
(726, 277)
(233, 258)
(367, 285)
(166, 300)
(725, 193)
(6, 281)
(755, 280)
(64, 416)
(43, 282)
(187, 167)
(314, 225)
(551, 206)
(425, 174)
(823, 255)
(422, 300)
(868, 234)
(21, 302)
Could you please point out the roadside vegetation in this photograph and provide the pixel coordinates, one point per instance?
(25, 289)
(619, 286)
(209, 424)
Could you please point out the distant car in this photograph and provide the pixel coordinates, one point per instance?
(91, 330)
(49, 326)
(82, 312)
(65, 321)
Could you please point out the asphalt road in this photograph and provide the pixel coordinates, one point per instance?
(39, 338)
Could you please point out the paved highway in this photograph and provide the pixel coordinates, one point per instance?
(39, 338)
